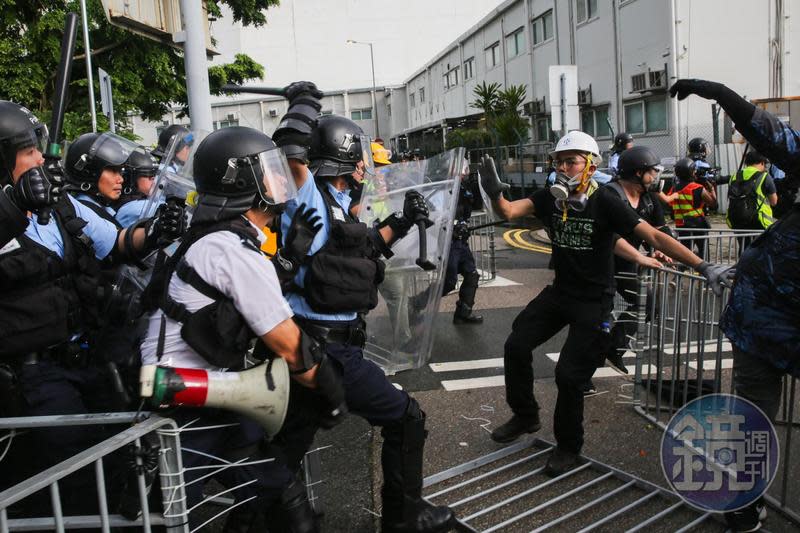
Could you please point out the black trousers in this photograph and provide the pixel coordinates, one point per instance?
(757, 380)
(581, 354)
(696, 226)
(461, 261)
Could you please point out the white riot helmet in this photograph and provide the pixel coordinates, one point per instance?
(577, 140)
(571, 190)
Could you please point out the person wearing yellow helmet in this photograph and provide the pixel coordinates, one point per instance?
(380, 155)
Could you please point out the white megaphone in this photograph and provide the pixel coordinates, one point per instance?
(261, 393)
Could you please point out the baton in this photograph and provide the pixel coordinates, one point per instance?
(271, 91)
(54, 147)
(422, 260)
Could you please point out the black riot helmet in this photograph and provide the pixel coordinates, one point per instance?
(236, 168)
(337, 145)
(684, 170)
(90, 153)
(164, 138)
(635, 159)
(19, 129)
(140, 164)
(698, 149)
(621, 141)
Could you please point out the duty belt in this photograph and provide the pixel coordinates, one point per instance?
(352, 334)
(69, 354)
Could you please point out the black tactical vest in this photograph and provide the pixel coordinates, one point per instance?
(45, 299)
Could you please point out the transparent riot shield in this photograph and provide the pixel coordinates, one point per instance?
(400, 328)
(175, 178)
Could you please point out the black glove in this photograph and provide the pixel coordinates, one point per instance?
(294, 131)
(709, 90)
(167, 226)
(461, 231)
(329, 385)
(737, 108)
(414, 207)
(718, 276)
(34, 190)
(300, 88)
(304, 227)
(490, 180)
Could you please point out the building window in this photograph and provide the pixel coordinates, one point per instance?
(595, 123)
(544, 131)
(361, 114)
(492, 55)
(543, 27)
(451, 78)
(422, 95)
(646, 116)
(587, 9)
(413, 100)
(469, 68)
(227, 123)
(515, 43)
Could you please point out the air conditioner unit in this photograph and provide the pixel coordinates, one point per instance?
(231, 116)
(639, 82)
(657, 79)
(585, 96)
(536, 107)
(273, 113)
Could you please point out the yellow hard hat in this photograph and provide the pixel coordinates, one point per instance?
(380, 155)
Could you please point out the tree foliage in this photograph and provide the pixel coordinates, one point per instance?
(147, 76)
(502, 118)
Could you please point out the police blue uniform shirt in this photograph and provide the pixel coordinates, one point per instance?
(309, 194)
(601, 177)
(775, 173)
(85, 197)
(130, 212)
(102, 232)
(613, 159)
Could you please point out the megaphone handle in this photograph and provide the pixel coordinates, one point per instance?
(422, 260)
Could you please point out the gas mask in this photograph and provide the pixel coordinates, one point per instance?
(570, 192)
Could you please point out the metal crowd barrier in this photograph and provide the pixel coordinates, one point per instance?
(174, 517)
(717, 245)
(681, 354)
(481, 241)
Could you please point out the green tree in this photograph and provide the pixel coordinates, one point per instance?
(502, 118)
(148, 76)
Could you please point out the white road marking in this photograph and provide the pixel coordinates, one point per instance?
(473, 383)
(455, 366)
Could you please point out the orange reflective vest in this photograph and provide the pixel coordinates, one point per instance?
(683, 206)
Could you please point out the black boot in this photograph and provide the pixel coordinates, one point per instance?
(463, 315)
(293, 513)
(404, 510)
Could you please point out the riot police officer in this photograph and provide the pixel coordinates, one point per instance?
(329, 308)
(139, 174)
(461, 261)
(49, 287)
(167, 136)
(622, 142)
(214, 295)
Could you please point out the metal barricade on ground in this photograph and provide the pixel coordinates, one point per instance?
(717, 245)
(481, 241)
(174, 516)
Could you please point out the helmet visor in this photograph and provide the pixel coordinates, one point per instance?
(36, 137)
(271, 173)
(109, 150)
(366, 155)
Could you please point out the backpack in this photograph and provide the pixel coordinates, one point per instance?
(743, 201)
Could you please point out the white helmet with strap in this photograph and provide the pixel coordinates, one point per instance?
(580, 141)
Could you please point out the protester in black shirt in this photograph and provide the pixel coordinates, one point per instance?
(583, 237)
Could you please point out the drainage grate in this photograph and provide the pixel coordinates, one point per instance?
(507, 490)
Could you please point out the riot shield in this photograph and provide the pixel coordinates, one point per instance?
(400, 328)
(175, 178)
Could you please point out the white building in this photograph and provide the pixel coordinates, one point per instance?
(627, 54)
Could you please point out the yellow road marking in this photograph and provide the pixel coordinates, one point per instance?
(514, 238)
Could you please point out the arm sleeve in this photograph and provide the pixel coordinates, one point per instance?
(775, 140)
(769, 186)
(102, 232)
(543, 205)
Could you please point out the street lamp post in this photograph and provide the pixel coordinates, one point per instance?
(374, 86)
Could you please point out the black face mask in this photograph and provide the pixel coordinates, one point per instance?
(276, 211)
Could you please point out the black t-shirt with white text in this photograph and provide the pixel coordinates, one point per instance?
(583, 244)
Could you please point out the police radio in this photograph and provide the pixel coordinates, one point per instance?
(261, 393)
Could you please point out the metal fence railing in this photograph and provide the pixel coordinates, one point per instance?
(717, 245)
(174, 512)
(481, 242)
(681, 353)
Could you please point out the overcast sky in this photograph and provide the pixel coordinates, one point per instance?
(306, 39)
